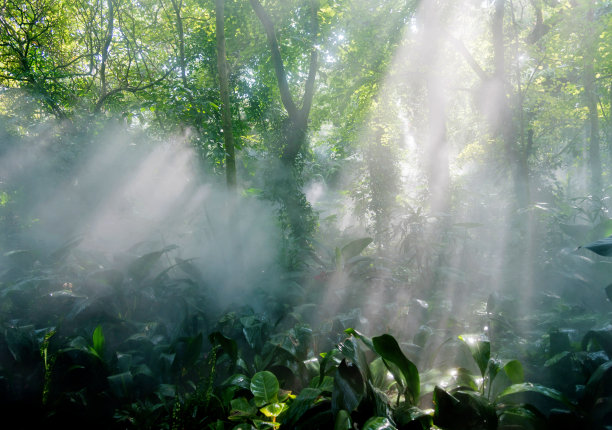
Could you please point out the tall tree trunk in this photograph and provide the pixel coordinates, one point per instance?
(297, 125)
(228, 135)
(296, 207)
(436, 151)
(505, 127)
(591, 103)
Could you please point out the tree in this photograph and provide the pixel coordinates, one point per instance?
(230, 162)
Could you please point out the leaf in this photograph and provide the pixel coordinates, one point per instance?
(535, 388)
(143, 265)
(121, 384)
(241, 409)
(387, 347)
(355, 247)
(602, 247)
(480, 349)
(238, 380)
(264, 387)
(348, 388)
(343, 421)
(61, 253)
(273, 410)
(361, 337)
(98, 341)
(378, 423)
(228, 345)
(514, 371)
(599, 382)
(602, 338)
(300, 405)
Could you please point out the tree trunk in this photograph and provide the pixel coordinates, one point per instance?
(591, 103)
(228, 135)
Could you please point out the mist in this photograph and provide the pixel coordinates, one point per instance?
(417, 234)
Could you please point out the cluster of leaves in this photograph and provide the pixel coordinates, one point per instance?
(134, 343)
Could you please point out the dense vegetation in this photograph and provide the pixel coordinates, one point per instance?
(304, 214)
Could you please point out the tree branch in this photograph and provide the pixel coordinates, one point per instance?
(279, 69)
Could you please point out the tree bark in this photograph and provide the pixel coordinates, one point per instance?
(591, 103)
(228, 135)
(297, 125)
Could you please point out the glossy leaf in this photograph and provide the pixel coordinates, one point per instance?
(602, 247)
(343, 421)
(228, 345)
(534, 388)
(514, 371)
(98, 341)
(300, 405)
(273, 410)
(264, 387)
(349, 388)
(378, 423)
(480, 349)
(601, 338)
(388, 348)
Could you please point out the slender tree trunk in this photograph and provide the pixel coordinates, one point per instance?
(591, 103)
(505, 127)
(297, 209)
(437, 151)
(228, 135)
(107, 41)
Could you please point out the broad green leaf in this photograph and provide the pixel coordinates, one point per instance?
(343, 421)
(228, 345)
(599, 381)
(61, 253)
(238, 380)
(480, 349)
(514, 371)
(388, 348)
(406, 415)
(355, 248)
(535, 388)
(273, 410)
(601, 247)
(300, 405)
(241, 409)
(601, 338)
(264, 387)
(349, 388)
(121, 385)
(361, 337)
(378, 423)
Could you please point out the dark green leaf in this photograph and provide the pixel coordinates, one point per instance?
(534, 388)
(387, 347)
(378, 423)
(300, 405)
(349, 388)
(343, 421)
(601, 338)
(228, 345)
(514, 371)
(601, 247)
(480, 349)
(264, 387)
